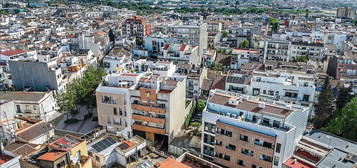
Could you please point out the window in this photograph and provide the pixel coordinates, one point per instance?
(208, 127)
(226, 157)
(276, 124)
(219, 143)
(115, 111)
(247, 152)
(306, 97)
(208, 150)
(229, 133)
(276, 160)
(34, 107)
(268, 145)
(161, 105)
(120, 112)
(243, 138)
(266, 158)
(231, 147)
(258, 142)
(240, 162)
(291, 95)
(278, 147)
(61, 164)
(147, 94)
(208, 139)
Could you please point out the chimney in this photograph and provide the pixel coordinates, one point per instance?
(261, 105)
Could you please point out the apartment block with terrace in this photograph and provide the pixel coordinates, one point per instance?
(239, 131)
(150, 104)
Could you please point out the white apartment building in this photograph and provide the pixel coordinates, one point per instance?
(277, 50)
(241, 132)
(240, 56)
(191, 34)
(289, 87)
(37, 105)
(180, 54)
(314, 51)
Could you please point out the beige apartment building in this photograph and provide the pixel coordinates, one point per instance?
(149, 104)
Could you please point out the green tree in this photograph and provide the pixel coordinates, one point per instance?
(274, 24)
(217, 67)
(111, 35)
(301, 58)
(244, 44)
(344, 96)
(325, 106)
(201, 104)
(344, 124)
(81, 91)
(355, 22)
(139, 41)
(66, 102)
(224, 34)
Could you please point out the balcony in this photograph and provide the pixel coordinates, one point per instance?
(148, 129)
(148, 119)
(141, 107)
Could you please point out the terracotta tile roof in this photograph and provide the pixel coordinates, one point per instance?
(25, 150)
(22, 96)
(166, 46)
(12, 52)
(295, 163)
(66, 143)
(101, 33)
(33, 132)
(183, 47)
(51, 156)
(170, 163)
(4, 159)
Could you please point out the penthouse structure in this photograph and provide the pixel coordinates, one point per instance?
(192, 34)
(297, 88)
(241, 132)
(150, 104)
(180, 54)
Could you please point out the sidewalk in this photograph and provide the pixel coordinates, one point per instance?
(82, 126)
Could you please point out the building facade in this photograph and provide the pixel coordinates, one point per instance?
(240, 132)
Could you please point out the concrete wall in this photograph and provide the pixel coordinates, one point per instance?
(177, 108)
(32, 74)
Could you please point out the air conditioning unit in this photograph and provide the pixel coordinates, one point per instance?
(233, 101)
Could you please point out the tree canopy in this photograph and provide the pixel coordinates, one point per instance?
(81, 91)
(244, 44)
(344, 96)
(111, 35)
(325, 106)
(274, 24)
(344, 124)
(301, 58)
